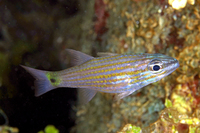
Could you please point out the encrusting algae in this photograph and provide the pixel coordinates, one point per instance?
(50, 129)
(170, 120)
(141, 26)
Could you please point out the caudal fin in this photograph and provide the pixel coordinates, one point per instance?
(42, 83)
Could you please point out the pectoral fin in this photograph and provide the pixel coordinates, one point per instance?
(85, 95)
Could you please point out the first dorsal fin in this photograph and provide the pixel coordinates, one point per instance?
(77, 58)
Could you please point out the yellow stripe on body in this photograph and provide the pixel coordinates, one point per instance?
(108, 75)
(104, 86)
(99, 67)
(80, 69)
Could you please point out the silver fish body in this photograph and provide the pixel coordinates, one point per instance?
(121, 74)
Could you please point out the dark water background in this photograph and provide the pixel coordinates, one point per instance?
(25, 111)
(31, 114)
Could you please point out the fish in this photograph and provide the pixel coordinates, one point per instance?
(110, 73)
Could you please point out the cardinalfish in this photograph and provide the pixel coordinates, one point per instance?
(110, 73)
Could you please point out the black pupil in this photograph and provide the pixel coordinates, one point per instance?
(53, 80)
(156, 67)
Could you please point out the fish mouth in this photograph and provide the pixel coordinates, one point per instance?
(173, 65)
(176, 63)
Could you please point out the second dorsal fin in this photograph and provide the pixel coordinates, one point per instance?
(102, 54)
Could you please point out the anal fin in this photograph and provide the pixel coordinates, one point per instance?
(85, 95)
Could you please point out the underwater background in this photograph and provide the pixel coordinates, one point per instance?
(36, 33)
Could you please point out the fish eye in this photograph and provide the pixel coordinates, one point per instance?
(155, 65)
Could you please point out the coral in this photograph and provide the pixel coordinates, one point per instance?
(128, 128)
(178, 4)
(8, 129)
(101, 15)
(172, 120)
(5, 128)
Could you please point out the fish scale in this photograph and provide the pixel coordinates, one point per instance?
(109, 72)
(101, 62)
(113, 73)
(90, 70)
